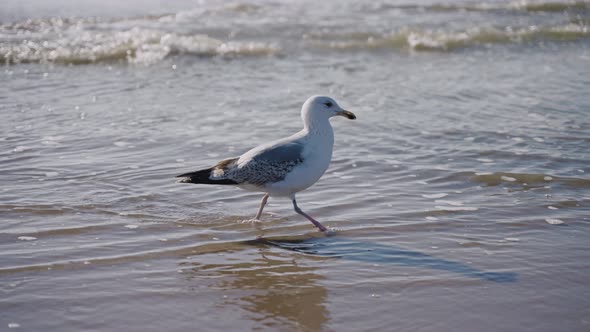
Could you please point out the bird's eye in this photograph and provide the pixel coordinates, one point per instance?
(329, 104)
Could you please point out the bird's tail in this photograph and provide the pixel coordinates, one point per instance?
(205, 176)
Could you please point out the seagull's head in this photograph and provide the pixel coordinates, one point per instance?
(322, 107)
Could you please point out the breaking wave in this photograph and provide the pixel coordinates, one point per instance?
(150, 39)
(518, 6)
(428, 40)
(65, 41)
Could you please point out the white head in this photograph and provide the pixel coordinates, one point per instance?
(318, 109)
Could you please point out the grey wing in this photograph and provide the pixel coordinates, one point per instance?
(272, 164)
(290, 152)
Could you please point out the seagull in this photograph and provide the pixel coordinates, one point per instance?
(283, 167)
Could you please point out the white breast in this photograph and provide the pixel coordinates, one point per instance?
(316, 159)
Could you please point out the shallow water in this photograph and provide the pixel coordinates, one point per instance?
(460, 196)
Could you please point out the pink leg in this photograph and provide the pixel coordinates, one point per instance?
(313, 221)
(262, 204)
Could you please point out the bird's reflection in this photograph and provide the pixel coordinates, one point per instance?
(277, 290)
(350, 249)
(282, 291)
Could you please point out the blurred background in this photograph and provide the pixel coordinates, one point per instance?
(460, 195)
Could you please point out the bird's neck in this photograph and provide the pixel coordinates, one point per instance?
(319, 131)
(320, 127)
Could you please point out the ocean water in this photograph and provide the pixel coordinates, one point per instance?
(460, 197)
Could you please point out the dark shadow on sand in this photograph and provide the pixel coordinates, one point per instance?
(349, 249)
